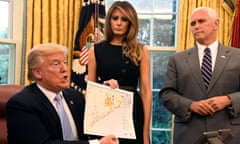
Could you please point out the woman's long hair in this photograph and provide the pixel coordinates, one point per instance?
(131, 48)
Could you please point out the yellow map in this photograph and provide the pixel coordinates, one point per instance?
(108, 111)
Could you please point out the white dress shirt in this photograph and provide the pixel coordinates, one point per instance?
(51, 96)
(214, 49)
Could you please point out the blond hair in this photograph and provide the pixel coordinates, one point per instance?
(36, 54)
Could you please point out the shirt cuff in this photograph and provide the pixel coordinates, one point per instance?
(93, 141)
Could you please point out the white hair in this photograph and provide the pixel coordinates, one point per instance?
(211, 12)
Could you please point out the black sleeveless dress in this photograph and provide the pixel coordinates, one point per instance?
(112, 64)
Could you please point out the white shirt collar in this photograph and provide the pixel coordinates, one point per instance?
(49, 94)
(213, 47)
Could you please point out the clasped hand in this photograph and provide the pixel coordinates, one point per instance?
(210, 106)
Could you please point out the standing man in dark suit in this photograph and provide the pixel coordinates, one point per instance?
(201, 106)
(32, 114)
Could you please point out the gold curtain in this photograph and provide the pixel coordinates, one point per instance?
(185, 39)
(52, 21)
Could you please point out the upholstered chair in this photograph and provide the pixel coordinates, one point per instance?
(6, 91)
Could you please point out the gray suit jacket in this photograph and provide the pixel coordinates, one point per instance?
(183, 84)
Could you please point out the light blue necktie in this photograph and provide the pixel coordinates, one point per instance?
(66, 127)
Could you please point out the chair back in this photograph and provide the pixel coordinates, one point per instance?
(6, 91)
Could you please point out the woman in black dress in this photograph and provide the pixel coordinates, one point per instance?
(120, 61)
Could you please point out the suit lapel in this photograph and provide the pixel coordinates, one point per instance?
(46, 104)
(222, 58)
(72, 107)
(70, 102)
(194, 64)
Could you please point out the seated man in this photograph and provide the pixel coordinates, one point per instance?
(47, 111)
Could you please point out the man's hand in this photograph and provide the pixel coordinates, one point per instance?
(110, 139)
(202, 108)
(210, 106)
(219, 102)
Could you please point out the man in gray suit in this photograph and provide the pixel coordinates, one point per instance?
(203, 107)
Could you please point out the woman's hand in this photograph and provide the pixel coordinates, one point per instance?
(112, 83)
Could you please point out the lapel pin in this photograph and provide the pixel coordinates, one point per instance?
(71, 102)
(223, 56)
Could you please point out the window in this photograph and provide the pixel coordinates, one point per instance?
(10, 40)
(157, 30)
(4, 16)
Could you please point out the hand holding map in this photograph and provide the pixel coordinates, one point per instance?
(108, 111)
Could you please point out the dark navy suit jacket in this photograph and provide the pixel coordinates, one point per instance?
(32, 119)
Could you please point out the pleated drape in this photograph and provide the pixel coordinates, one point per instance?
(185, 39)
(235, 35)
(52, 21)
